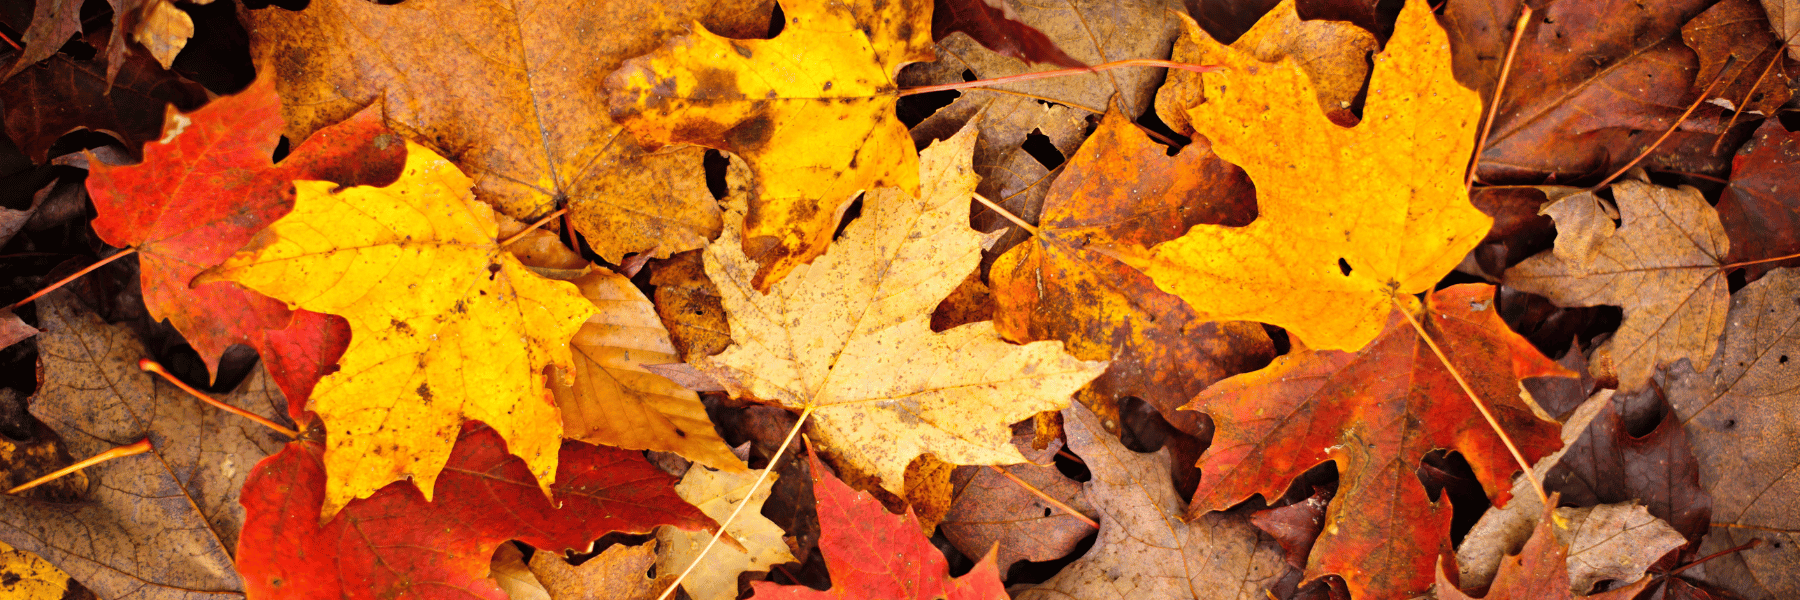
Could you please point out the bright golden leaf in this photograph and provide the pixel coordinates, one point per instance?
(444, 325)
(850, 335)
(812, 111)
(1347, 217)
(716, 493)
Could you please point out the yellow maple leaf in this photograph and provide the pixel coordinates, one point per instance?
(811, 110)
(444, 325)
(849, 336)
(1348, 217)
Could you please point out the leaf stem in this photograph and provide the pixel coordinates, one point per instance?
(1045, 497)
(1499, 87)
(1672, 126)
(529, 228)
(1739, 109)
(152, 366)
(1006, 213)
(78, 274)
(1757, 262)
(140, 447)
(1536, 485)
(9, 42)
(1117, 64)
(1754, 542)
(773, 460)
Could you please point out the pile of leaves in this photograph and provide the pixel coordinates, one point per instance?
(1312, 299)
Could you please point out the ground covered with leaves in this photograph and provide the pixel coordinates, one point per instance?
(1308, 299)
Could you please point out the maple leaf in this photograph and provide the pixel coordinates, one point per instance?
(612, 399)
(1144, 549)
(1761, 221)
(811, 110)
(1734, 43)
(849, 337)
(616, 574)
(27, 576)
(1121, 188)
(717, 493)
(1602, 467)
(1376, 413)
(204, 190)
(1351, 217)
(872, 553)
(996, 25)
(163, 525)
(1333, 54)
(445, 326)
(991, 511)
(1661, 264)
(515, 110)
(1738, 412)
(53, 22)
(398, 544)
(65, 94)
(1539, 571)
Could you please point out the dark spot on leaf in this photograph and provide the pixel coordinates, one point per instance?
(750, 135)
(424, 392)
(742, 50)
(400, 327)
(1344, 265)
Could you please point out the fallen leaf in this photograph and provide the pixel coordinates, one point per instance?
(849, 337)
(873, 553)
(811, 111)
(445, 325)
(612, 400)
(1784, 17)
(53, 22)
(1661, 265)
(1760, 220)
(161, 525)
(1609, 465)
(397, 544)
(1144, 549)
(689, 306)
(1608, 542)
(1333, 54)
(717, 493)
(517, 110)
(1121, 188)
(995, 25)
(1376, 413)
(13, 330)
(1296, 525)
(508, 571)
(40, 454)
(991, 511)
(66, 94)
(1349, 217)
(1737, 411)
(206, 188)
(616, 574)
(26, 576)
(1733, 40)
(163, 30)
(1539, 571)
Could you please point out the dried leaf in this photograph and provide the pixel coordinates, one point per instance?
(716, 493)
(1333, 54)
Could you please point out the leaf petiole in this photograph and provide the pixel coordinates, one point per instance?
(1117, 64)
(152, 366)
(64, 281)
(140, 447)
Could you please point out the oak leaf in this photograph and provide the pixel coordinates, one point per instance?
(811, 110)
(445, 325)
(1376, 413)
(1121, 188)
(849, 339)
(1662, 264)
(397, 544)
(717, 493)
(163, 525)
(516, 110)
(206, 188)
(1348, 217)
(1145, 549)
(612, 399)
(872, 553)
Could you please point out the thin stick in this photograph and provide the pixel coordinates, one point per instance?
(1045, 497)
(1117, 64)
(66, 280)
(1494, 103)
(140, 447)
(1006, 213)
(1757, 262)
(1479, 405)
(1672, 126)
(532, 227)
(152, 366)
(1754, 542)
(773, 460)
(1740, 105)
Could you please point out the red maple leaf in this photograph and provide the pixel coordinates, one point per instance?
(395, 545)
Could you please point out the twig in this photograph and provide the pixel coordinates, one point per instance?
(1672, 126)
(152, 366)
(1045, 497)
(529, 228)
(1118, 64)
(78, 274)
(140, 447)
(1479, 404)
(1494, 103)
(773, 460)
